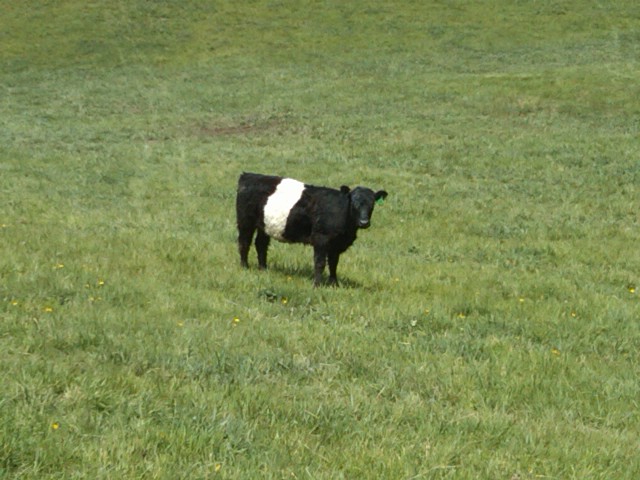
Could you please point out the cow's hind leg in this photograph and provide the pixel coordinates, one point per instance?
(245, 235)
(262, 245)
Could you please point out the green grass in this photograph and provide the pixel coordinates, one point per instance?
(487, 325)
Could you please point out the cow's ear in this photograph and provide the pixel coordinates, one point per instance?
(344, 189)
(381, 195)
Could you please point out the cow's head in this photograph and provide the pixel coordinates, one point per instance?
(362, 200)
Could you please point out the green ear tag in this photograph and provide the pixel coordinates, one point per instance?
(380, 201)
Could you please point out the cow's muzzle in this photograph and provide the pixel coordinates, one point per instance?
(364, 223)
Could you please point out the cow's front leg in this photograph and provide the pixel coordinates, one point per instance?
(333, 258)
(319, 261)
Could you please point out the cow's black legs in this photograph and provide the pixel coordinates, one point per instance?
(262, 244)
(333, 258)
(319, 261)
(245, 235)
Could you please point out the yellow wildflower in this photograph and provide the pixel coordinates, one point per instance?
(55, 426)
(48, 309)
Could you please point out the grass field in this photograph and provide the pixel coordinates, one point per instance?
(487, 326)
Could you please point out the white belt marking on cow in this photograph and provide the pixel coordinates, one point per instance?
(278, 206)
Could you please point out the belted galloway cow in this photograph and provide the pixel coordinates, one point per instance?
(294, 212)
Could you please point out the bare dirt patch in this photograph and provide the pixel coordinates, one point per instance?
(245, 127)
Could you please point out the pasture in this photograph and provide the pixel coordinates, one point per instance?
(487, 324)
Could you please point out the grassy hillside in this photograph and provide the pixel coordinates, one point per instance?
(487, 324)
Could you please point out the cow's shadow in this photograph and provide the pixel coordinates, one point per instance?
(307, 272)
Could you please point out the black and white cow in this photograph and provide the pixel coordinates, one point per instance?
(291, 211)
